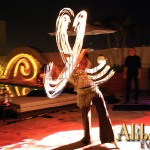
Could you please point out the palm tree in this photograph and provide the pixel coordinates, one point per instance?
(123, 28)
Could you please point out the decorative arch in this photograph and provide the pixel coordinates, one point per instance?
(23, 64)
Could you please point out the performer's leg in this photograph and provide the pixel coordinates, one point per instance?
(86, 116)
(106, 132)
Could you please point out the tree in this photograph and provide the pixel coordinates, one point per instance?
(123, 27)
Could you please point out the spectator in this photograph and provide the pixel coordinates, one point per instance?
(132, 72)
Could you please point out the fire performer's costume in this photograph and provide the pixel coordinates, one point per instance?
(88, 93)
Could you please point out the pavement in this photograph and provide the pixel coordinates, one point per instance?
(62, 130)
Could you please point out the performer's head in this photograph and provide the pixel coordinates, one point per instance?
(84, 61)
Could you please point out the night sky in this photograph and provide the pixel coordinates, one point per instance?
(28, 22)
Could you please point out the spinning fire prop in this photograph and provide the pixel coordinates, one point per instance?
(54, 87)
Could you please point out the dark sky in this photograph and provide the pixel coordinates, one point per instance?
(28, 22)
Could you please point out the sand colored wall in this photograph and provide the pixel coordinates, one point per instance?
(117, 56)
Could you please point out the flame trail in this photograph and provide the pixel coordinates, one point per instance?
(54, 87)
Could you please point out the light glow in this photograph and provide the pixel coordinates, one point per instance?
(22, 68)
(24, 61)
(95, 69)
(25, 91)
(106, 78)
(65, 140)
(17, 91)
(100, 73)
(54, 87)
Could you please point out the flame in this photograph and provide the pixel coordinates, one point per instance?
(54, 87)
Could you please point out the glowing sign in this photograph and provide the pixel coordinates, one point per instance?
(22, 63)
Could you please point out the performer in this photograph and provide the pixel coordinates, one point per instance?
(87, 90)
(88, 93)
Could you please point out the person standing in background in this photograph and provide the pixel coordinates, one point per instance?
(132, 72)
